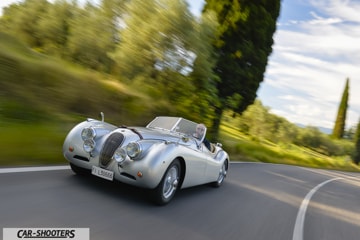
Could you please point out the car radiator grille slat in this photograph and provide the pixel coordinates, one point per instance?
(109, 148)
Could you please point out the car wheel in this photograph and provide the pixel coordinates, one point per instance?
(222, 175)
(78, 170)
(169, 184)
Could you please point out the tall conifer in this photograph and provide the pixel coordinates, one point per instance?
(243, 45)
(339, 126)
(356, 158)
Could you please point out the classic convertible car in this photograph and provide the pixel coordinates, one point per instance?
(166, 155)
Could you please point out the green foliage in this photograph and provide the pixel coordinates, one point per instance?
(113, 37)
(258, 122)
(205, 98)
(250, 148)
(312, 138)
(234, 101)
(205, 60)
(54, 28)
(91, 38)
(338, 131)
(171, 60)
(356, 157)
(244, 42)
(160, 43)
(85, 35)
(22, 20)
(167, 62)
(31, 144)
(20, 111)
(36, 88)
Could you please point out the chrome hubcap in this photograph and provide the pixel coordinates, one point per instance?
(171, 182)
(222, 173)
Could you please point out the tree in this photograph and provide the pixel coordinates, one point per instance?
(338, 131)
(8, 18)
(202, 74)
(244, 42)
(257, 121)
(91, 38)
(54, 27)
(161, 56)
(155, 38)
(356, 158)
(22, 20)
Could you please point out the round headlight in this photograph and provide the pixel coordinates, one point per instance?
(119, 155)
(133, 149)
(88, 133)
(89, 145)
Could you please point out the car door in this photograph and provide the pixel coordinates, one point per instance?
(196, 165)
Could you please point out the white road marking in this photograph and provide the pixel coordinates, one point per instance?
(32, 169)
(300, 218)
(46, 168)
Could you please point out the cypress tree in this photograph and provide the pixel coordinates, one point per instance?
(339, 127)
(356, 158)
(243, 45)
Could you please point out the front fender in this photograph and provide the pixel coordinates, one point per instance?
(154, 164)
(74, 141)
(221, 156)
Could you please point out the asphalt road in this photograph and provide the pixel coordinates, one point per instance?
(257, 201)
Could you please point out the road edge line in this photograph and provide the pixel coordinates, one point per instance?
(298, 233)
(33, 169)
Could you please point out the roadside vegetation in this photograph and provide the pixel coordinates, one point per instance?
(245, 147)
(62, 62)
(42, 98)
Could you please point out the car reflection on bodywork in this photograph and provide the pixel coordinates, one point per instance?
(163, 156)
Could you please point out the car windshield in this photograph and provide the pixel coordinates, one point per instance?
(175, 124)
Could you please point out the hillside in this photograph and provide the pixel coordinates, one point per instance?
(35, 87)
(42, 98)
(322, 129)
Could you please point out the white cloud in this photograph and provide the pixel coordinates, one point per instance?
(323, 21)
(344, 9)
(303, 109)
(311, 60)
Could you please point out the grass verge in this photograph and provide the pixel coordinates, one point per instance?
(41, 144)
(31, 144)
(246, 148)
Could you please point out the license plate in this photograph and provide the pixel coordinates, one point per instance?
(103, 173)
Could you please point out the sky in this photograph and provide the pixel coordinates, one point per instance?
(316, 48)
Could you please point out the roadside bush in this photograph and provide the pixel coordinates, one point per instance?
(312, 138)
(23, 111)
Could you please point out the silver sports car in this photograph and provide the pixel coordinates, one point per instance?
(170, 153)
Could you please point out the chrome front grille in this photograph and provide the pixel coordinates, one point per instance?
(110, 145)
